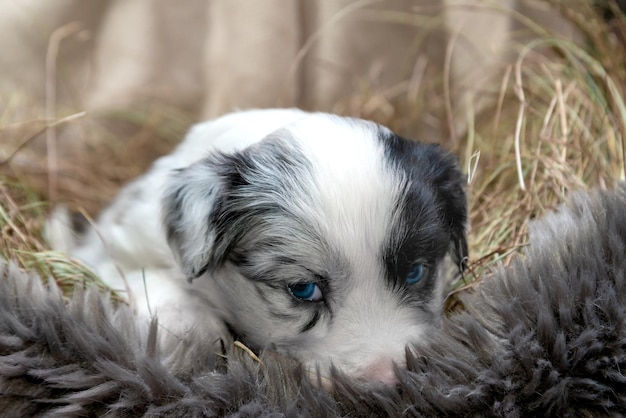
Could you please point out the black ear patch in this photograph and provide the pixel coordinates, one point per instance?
(213, 205)
(432, 174)
(260, 184)
(450, 184)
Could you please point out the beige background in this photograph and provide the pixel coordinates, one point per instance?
(211, 57)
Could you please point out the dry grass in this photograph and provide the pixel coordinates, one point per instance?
(557, 124)
(105, 152)
(22, 217)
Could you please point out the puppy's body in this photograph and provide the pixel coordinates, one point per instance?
(313, 235)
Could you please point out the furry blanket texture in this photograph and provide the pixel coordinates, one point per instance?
(544, 336)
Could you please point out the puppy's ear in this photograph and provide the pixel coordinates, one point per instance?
(190, 203)
(210, 207)
(433, 164)
(450, 185)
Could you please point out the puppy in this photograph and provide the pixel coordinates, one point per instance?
(316, 236)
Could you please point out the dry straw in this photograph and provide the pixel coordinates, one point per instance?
(559, 126)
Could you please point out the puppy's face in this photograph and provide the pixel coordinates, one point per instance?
(324, 241)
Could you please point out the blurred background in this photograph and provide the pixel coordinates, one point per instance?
(528, 94)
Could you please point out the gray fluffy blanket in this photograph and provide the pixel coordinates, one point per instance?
(545, 336)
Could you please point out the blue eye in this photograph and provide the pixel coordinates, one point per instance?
(306, 291)
(415, 274)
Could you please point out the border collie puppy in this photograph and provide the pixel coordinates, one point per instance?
(316, 236)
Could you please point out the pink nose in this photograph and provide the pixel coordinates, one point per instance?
(382, 371)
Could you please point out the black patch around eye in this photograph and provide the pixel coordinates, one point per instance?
(418, 237)
(409, 245)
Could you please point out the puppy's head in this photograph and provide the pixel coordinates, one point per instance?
(325, 240)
